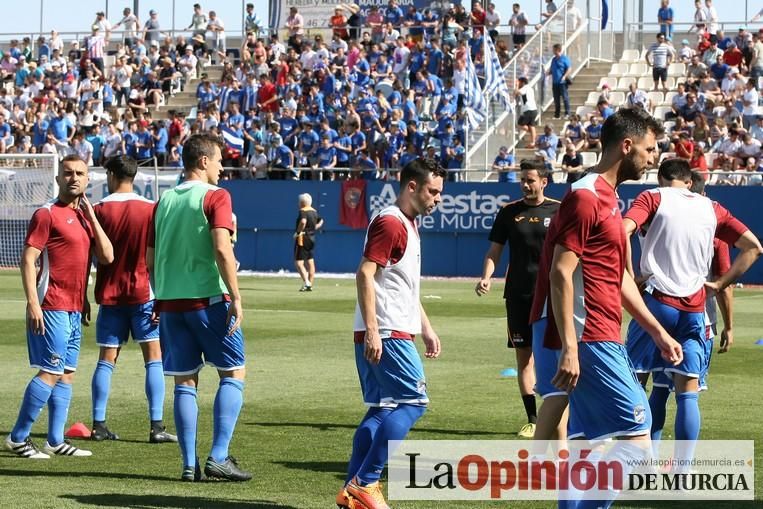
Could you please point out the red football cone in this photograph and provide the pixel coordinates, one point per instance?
(78, 430)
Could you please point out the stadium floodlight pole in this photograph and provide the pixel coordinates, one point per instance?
(173, 18)
(42, 8)
(136, 7)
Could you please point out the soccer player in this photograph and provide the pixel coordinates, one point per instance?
(675, 263)
(581, 295)
(63, 235)
(387, 317)
(308, 222)
(190, 257)
(126, 303)
(523, 225)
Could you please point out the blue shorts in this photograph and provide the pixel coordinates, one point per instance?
(608, 400)
(57, 350)
(398, 378)
(546, 363)
(115, 324)
(192, 338)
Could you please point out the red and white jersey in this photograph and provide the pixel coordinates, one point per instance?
(677, 231)
(125, 217)
(63, 236)
(590, 225)
(392, 242)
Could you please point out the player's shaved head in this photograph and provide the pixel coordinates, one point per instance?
(124, 168)
(72, 159)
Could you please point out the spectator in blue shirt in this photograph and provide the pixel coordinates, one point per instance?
(343, 146)
(282, 160)
(308, 144)
(143, 143)
(546, 145)
(161, 139)
(593, 134)
(394, 14)
(503, 164)
(665, 19)
(326, 158)
(560, 70)
(411, 153)
(61, 127)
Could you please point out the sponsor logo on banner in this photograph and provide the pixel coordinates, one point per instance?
(538, 470)
(470, 210)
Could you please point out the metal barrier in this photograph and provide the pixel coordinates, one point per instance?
(639, 35)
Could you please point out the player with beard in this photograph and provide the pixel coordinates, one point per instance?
(582, 281)
(387, 317)
(523, 225)
(63, 235)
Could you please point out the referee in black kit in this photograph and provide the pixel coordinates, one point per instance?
(308, 222)
(523, 225)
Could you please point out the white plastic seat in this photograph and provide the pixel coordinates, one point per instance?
(645, 83)
(630, 56)
(624, 83)
(660, 111)
(619, 69)
(677, 69)
(589, 159)
(638, 69)
(617, 98)
(593, 98)
(609, 81)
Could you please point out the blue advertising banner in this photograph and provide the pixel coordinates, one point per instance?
(454, 237)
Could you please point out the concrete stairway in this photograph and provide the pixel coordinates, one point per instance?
(185, 101)
(585, 82)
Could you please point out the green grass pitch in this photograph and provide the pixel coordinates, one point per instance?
(302, 402)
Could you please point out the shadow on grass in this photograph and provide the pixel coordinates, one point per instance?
(171, 501)
(69, 473)
(339, 468)
(323, 426)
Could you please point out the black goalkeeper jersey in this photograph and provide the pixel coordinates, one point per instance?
(524, 227)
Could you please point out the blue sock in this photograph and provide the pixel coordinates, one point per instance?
(186, 415)
(36, 396)
(364, 436)
(658, 402)
(155, 390)
(394, 427)
(58, 411)
(687, 425)
(228, 403)
(100, 388)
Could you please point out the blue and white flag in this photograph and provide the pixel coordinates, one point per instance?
(495, 80)
(476, 107)
(232, 139)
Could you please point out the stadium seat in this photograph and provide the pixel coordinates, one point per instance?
(385, 86)
(609, 81)
(638, 69)
(617, 98)
(677, 69)
(583, 111)
(660, 111)
(618, 70)
(651, 177)
(589, 159)
(710, 158)
(593, 98)
(630, 56)
(624, 83)
(668, 125)
(657, 98)
(718, 111)
(671, 83)
(669, 97)
(667, 155)
(645, 83)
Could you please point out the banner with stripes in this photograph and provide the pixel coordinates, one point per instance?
(475, 105)
(495, 80)
(232, 139)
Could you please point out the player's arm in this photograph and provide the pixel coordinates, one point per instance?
(630, 228)
(102, 249)
(634, 304)
(563, 267)
(364, 280)
(226, 264)
(726, 307)
(29, 258)
(430, 337)
(749, 251)
(301, 227)
(492, 258)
